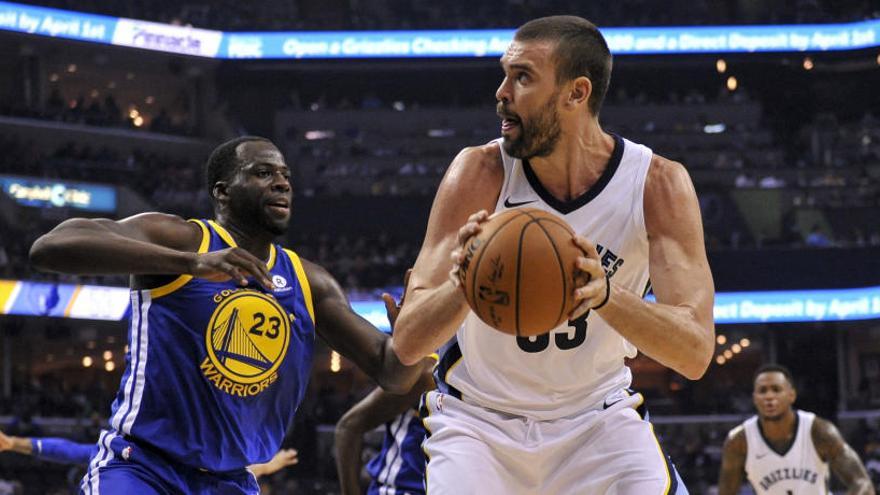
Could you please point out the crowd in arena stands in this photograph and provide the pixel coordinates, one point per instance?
(102, 111)
(832, 165)
(403, 14)
(358, 262)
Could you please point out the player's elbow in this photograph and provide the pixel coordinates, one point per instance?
(696, 367)
(47, 251)
(347, 425)
(694, 373)
(42, 252)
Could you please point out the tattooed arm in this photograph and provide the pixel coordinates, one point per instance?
(844, 461)
(733, 462)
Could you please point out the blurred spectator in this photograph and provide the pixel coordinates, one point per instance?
(818, 238)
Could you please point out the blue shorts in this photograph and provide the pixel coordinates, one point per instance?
(121, 466)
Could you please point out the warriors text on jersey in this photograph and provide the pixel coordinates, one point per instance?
(215, 372)
(798, 470)
(580, 364)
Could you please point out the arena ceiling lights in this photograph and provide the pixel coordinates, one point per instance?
(415, 44)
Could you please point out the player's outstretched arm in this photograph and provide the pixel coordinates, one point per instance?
(679, 330)
(733, 462)
(63, 450)
(281, 459)
(377, 408)
(435, 306)
(21, 445)
(844, 461)
(144, 244)
(354, 337)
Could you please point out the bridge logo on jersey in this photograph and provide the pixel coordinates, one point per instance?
(246, 339)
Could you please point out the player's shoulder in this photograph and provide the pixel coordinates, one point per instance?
(474, 166)
(668, 182)
(736, 439)
(823, 429)
(488, 154)
(312, 269)
(827, 440)
(664, 171)
(321, 281)
(160, 220)
(166, 229)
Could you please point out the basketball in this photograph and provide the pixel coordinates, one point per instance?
(519, 272)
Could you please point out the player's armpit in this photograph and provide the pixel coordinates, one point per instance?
(733, 462)
(844, 461)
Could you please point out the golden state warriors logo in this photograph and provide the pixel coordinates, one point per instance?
(246, 339)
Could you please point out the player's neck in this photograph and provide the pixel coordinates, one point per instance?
(576, 163)
(248, 237)
(781, 428)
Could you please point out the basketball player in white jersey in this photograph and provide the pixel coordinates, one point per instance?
(783, 451)
(553, 414)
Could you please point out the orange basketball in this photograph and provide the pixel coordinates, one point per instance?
(519, 273)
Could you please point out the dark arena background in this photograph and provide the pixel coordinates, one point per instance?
(108, 109)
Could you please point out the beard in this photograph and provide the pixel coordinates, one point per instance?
(251, 211)
(539, 136)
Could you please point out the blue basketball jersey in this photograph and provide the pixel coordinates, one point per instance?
(400, 466)
(214, 371)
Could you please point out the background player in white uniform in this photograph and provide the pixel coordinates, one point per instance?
(786, 452)
(552, 414)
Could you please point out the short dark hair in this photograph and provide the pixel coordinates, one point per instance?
(774, 367)
(580, 50)
(223, 161)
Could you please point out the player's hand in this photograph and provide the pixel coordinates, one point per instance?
(392, 307)
(593, 289)
(281, 459)
(472, 227)
(5, 442)
(232, 263)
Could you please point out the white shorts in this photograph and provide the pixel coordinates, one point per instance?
(474, 450)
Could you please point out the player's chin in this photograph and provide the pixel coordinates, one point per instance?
(278, 226)
(513, 145)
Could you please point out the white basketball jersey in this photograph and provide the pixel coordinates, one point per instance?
(799, 471)
(579, 364)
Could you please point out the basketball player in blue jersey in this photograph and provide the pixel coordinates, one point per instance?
(399, 468)
(64, 451)
(553, 414)
(783, 451)
(222, 330)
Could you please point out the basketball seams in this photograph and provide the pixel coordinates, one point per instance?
(565, 288)
(479, 260)
(522, 219)
(519, 247)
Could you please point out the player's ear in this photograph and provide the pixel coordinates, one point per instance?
(581, 89)
(220, 190)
